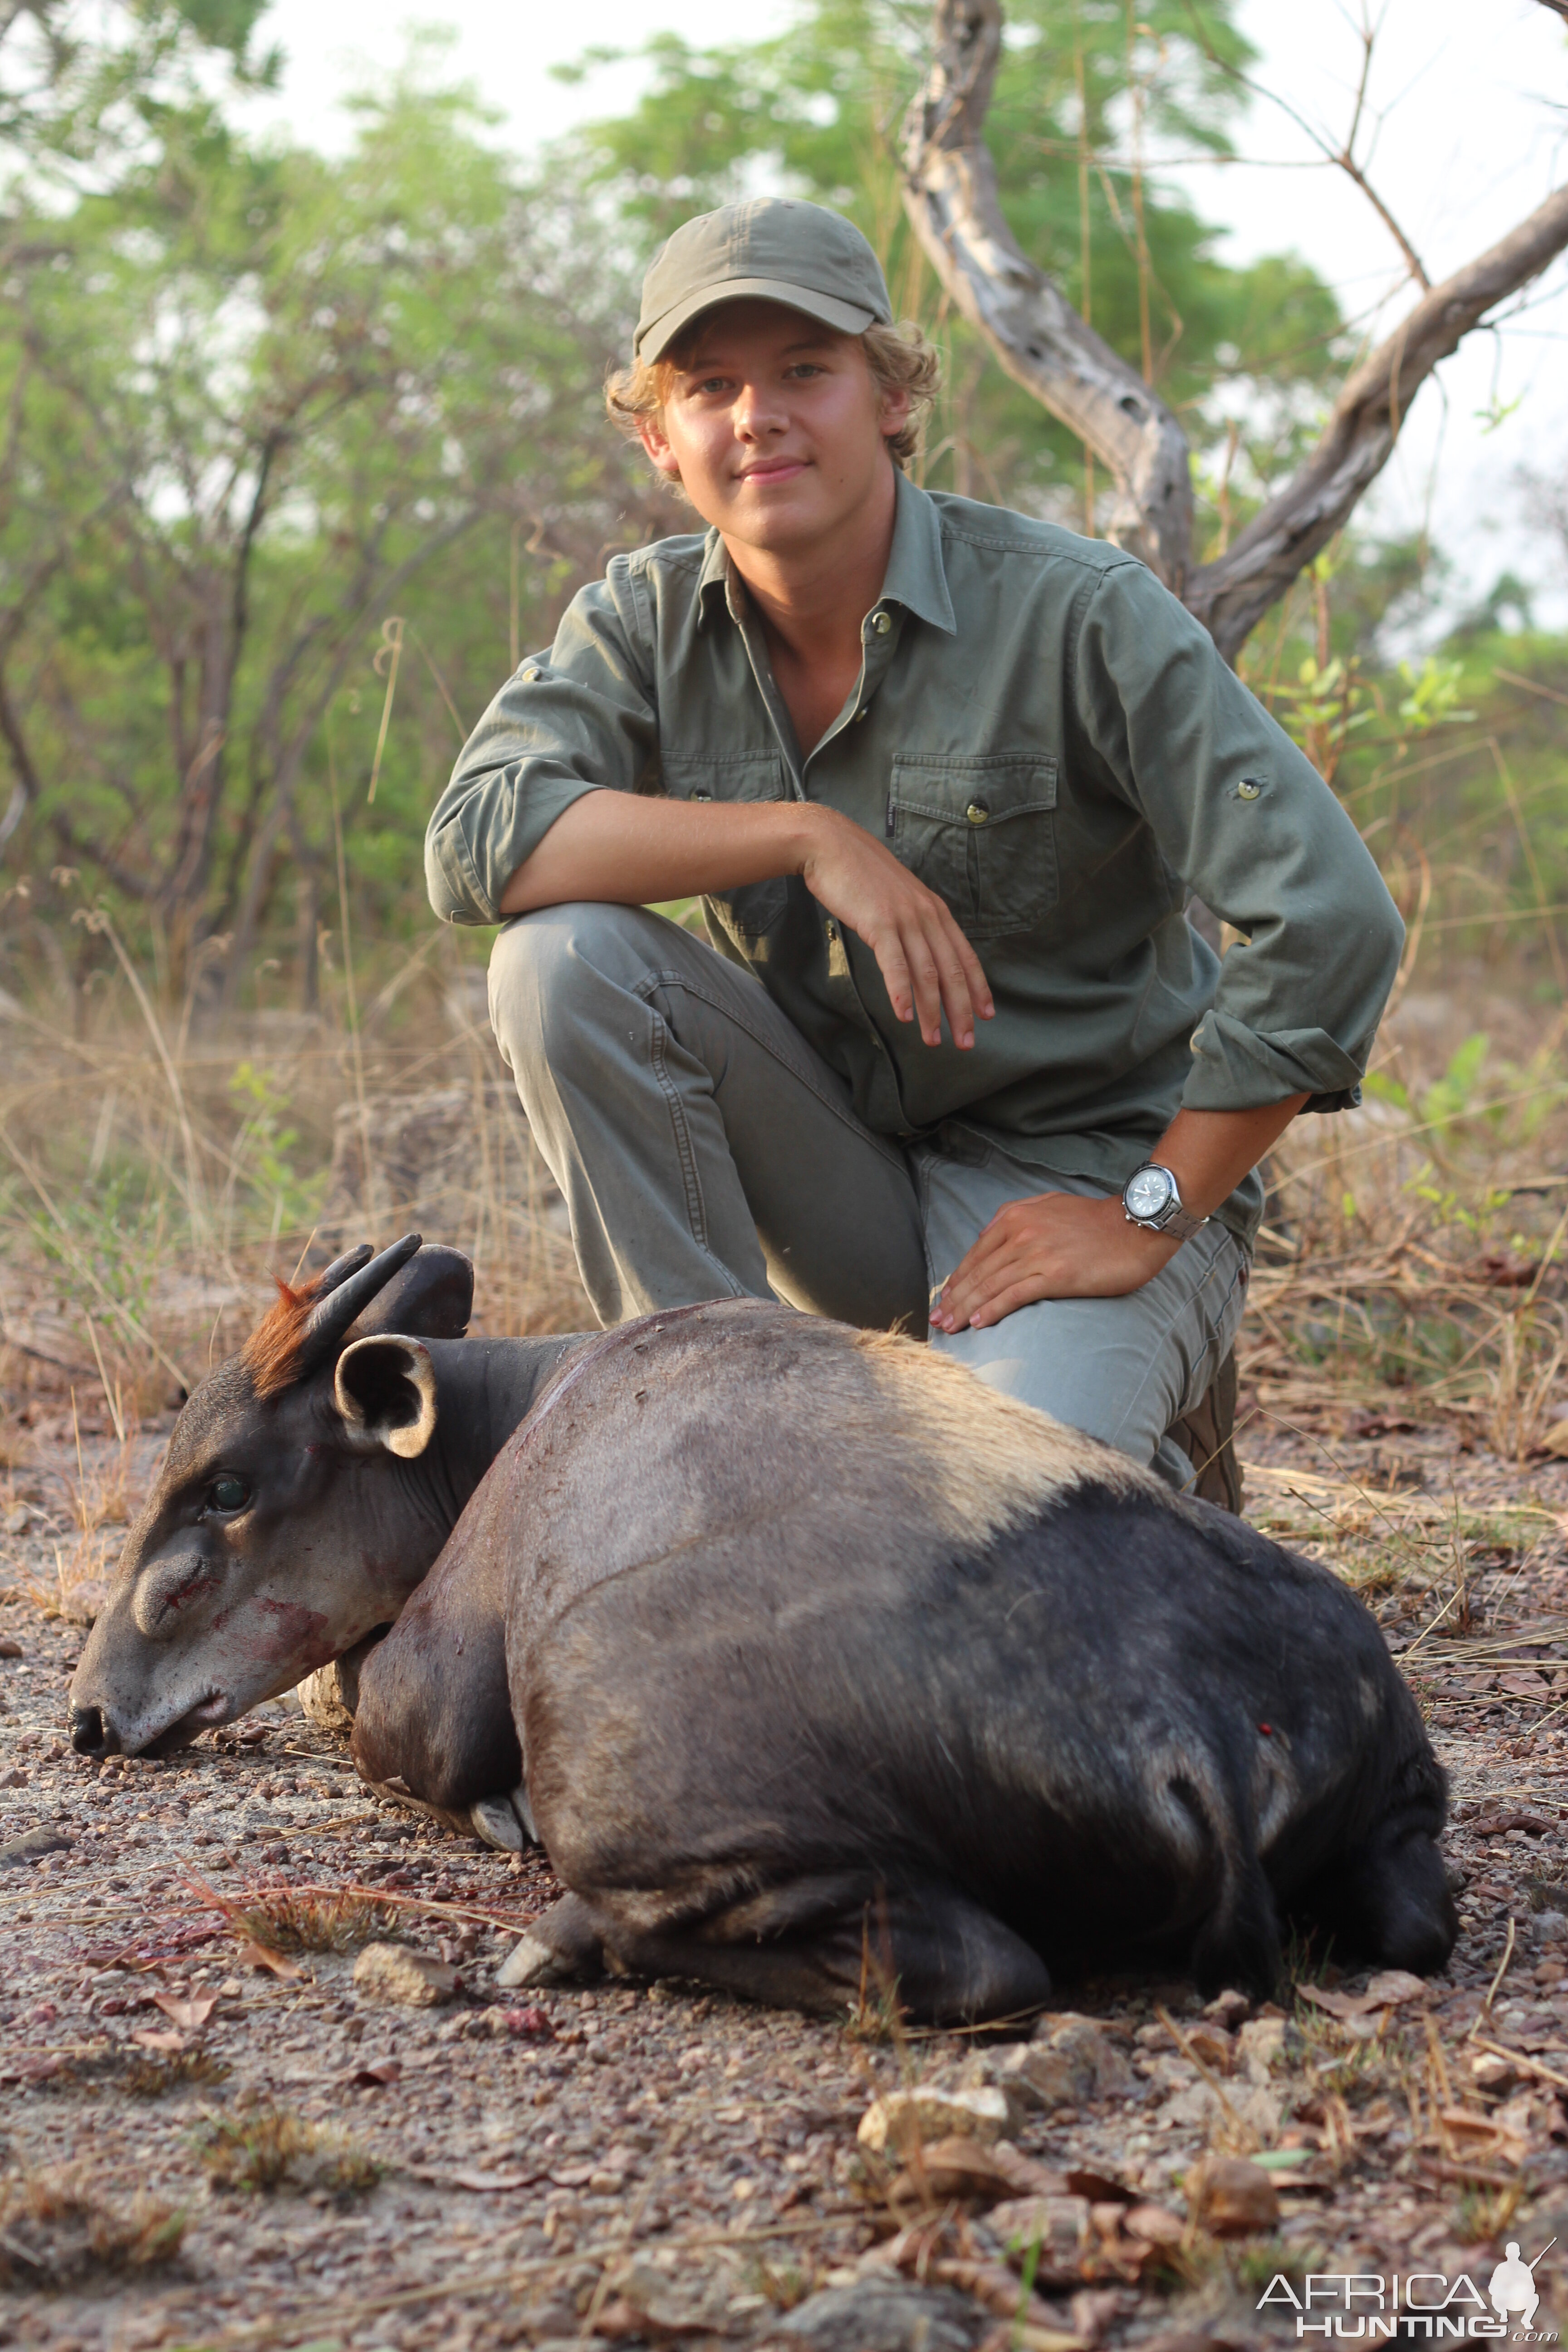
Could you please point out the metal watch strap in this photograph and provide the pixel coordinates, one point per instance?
(1180, 1223)
(1177, 1220)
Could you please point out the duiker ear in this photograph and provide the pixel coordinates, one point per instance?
(433, 1295)
(386, 1391)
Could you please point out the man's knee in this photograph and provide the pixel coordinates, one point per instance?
(547, 967)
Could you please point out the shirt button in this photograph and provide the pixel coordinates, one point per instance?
(830, 931)
(977, 812)
(881, 623)
(531, 676)
(1247, 790)
(699, 796)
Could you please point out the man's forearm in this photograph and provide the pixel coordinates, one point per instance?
(1209, 1152)
(631, 850)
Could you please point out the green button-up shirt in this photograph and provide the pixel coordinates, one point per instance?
(1045, 735)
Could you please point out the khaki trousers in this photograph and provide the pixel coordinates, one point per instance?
(705, 1151)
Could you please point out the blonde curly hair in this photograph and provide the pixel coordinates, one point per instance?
(901, 358)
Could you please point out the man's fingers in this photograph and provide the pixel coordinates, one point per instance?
(982, 1276)
(888, 948)
(1004, 1302)
(928, 987)
(977, 985)
(965, 994)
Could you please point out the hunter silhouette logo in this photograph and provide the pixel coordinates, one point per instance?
(1512, 2286)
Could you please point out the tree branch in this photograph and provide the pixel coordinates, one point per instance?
(950, 197)
(1231, 594)
(1343, 158)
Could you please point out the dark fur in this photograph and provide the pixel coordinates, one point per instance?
(767, 1735)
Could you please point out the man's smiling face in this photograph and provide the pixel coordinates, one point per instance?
(774, 427)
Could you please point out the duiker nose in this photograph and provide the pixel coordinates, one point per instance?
(86, 1731)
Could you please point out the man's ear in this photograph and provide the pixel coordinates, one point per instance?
(894, 413)
(653, 440)
(386, 1391)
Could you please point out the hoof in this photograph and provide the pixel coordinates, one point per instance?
(531, 1964)
(495, 1823)
(324, 1700)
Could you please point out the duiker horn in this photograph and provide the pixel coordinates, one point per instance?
(351, 1294)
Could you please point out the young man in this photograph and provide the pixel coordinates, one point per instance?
(944, 776)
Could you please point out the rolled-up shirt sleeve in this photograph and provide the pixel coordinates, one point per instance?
(578, 720)
(1245, 821)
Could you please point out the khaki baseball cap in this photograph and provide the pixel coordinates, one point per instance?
(775, 249)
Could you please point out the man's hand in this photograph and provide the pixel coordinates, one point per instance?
(928, 967)
(1061, 1245)
(628, 850)
(1052, 1246)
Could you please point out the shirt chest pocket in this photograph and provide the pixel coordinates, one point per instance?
(753, 908)
(982, 834)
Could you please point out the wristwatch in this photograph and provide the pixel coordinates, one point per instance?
(1151, 1198)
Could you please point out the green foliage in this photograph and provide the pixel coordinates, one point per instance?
(266, 1151)
(81, 80)
(1432, 693)
(260, 402)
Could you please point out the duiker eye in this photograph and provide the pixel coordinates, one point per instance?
(229, 1495)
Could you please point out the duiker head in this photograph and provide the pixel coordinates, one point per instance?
(294, 1512)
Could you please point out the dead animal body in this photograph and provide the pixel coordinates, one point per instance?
(809, 1658)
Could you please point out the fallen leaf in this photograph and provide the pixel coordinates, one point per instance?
(1153, 2224)
(151, 2037)
(1503, 1270)
(262, 1956)
(1392, 1987)
(952, 2168)
(1345, 2005)
(192, 2014)
(1098, 2187)
(1231, 2197)
(379, 2077)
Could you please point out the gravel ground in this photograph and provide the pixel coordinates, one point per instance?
(210, 2135)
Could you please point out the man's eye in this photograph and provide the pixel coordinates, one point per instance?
(229, 1495)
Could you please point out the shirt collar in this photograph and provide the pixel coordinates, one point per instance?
(916, 577)
(716, 574)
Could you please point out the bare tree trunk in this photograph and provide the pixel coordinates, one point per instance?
(950, 197)
(950, 194)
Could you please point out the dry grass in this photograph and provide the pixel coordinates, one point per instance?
(285, 1919)
(267, 2147)
(59, 2228)
(153, 1179)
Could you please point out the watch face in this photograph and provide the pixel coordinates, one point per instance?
(1149, 1193)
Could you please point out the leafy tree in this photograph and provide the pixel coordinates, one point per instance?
(79, 78)
(258, 400)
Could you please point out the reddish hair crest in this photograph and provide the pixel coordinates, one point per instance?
(271, 1354)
